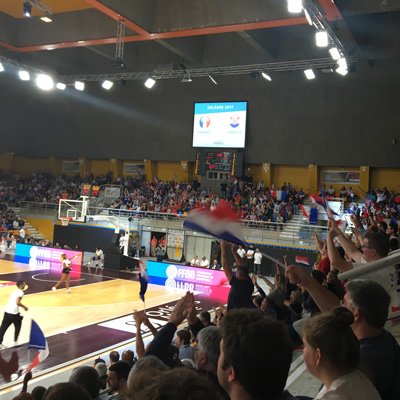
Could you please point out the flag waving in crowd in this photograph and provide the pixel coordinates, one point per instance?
(37, 341)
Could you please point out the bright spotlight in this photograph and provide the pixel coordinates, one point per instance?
(79, 85)
(342, 71)
(149, 83)
(266, 76)
(335, 54)
(295, 6)
(342, 63)
(24, 75)
(309, 73)
(46, 19)
(61, 86)
(321, 38)
(107, 85)
(27, 9)
(1, 67)
(44, 82)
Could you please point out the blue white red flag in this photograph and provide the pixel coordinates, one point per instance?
(302, 260)
(310, 213)
(222, 222)
(235, 181)
(39, 342)
(328, 210)
(156, 180)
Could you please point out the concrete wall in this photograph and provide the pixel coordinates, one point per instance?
(332, 120)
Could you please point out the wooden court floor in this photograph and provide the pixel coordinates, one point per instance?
(97, 295)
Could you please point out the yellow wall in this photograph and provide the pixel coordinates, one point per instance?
(166, 171)
(26, 165)
(100, 167)
(297, 175)
(388, 177)
(44, 226)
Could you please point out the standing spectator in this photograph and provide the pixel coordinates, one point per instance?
(160, 252)
(241, 251)
(22, 235)
(250, 259)
(257, 262)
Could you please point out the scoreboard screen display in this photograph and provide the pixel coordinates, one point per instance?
(222, 161)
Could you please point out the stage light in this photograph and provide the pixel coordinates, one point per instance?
(186, 78)
(295, 6)
(1, 67)
(213, 80)
(266, 76)
(309, 74)
(306, 13)
(24, 75)
(342, 71)
(321, 38)
(27, 9)
(79, 85)
(44, 82)
(46, 19)
(149, 83)
(334, 52)
(61, 86)
(107, 85)
(342, 63)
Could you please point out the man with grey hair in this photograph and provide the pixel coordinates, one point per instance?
(369, 303)
(207, 354)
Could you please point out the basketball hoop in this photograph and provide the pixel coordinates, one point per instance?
(65, 220)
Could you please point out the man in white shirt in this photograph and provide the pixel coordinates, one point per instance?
(250, 259)
(195, 262)
(22, 235)
(12, 315)
(204, 262)
(241, 251)
(257, 262)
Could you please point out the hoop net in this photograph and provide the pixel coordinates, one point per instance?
(65, 220)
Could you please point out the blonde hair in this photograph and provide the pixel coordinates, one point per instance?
(280, 282)
(63, 256)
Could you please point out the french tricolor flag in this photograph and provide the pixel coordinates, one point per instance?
(302, 260)
(39, 342)
(222, 222)
(235, 181)
(156, 180)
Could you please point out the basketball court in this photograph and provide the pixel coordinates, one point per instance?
(95, 317)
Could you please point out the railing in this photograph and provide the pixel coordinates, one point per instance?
(393, 259)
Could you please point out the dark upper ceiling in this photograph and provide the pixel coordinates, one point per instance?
(162, 34)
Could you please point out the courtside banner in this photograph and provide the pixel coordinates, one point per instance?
(172, 273)
(45, 256)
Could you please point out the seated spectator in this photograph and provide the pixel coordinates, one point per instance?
(332, 354)
(98, 258)
(66, 391)
(215, 265)
(195, 262)
(178, 384)
(256, 354)
(183, 343)
(102, 369)
(88, 378)
(129, 357)
(114, 357)
(205, 318)
(204, 262)
(117, 379)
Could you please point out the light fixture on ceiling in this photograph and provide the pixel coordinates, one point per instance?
(321, 38)
(342, 71)
(46, 18)
(266, 76)
(44, 82)
(24, 75)
(295, 6)
(308, 17)
(213, 80)
(334, 52)
(186, 78)
(107, 85)
(61, 86)
(27, 7)
(342, 63)
(1, 67)
(309, 73)
(79, 85)
(150, 82)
